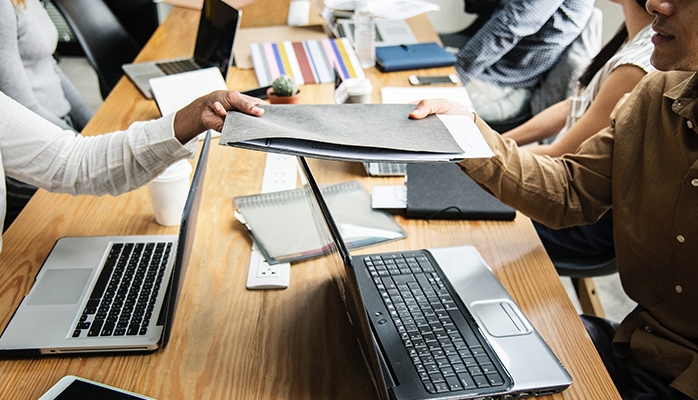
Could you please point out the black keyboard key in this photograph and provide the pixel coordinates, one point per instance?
(107, 329)
(133, 329)
(487, 368)
(92, 303)
(466, 381)
(453, 383)
(96, 328)
(441, 387)
(436, 378)
(495, 379)
(481, 381)
(403, 279)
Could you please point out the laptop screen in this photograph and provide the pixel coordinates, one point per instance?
(339, 262)
(214, 42)
(185, 241)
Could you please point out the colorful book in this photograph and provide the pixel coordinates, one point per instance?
(310, 61)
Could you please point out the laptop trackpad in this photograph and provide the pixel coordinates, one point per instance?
(500, 318)
(59, 286)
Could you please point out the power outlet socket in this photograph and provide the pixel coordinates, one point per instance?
(261, 275)
(280, 173)
(268, 271)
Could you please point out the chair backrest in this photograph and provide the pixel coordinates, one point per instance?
(106, 43)
(138, 17)
(560, 81)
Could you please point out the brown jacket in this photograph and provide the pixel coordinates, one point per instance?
(645, 165)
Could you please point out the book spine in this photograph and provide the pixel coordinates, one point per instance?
(261, 67)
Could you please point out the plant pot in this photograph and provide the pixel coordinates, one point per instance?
(295, 99)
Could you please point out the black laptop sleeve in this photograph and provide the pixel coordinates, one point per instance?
(443, 191)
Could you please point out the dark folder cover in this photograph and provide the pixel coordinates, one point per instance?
(444, 191)
(412, 56)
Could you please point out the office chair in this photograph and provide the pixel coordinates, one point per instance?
(138, 17)
(106, 43)
(582, 272)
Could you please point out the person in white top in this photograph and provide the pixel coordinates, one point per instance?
(618, 67)
(40, 153)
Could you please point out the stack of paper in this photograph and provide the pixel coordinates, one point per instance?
(310, 61)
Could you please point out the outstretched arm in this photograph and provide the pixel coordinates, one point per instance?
(42, 154)
(559, 192)
(546, 123)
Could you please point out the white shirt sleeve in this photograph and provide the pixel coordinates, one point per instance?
(37, 152)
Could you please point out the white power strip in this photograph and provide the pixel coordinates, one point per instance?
(280, 173)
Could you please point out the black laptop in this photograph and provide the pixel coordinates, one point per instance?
(214, 48)
(436, 323)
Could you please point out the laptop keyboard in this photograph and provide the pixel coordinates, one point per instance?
(177, 66)
(446, 358)
(123, 298)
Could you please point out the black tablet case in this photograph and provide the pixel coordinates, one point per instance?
(444, 191)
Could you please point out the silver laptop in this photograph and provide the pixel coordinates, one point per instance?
(214, 48)
(389, 32)
(107, 294)
(436, 323)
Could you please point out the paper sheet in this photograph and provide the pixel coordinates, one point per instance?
(409, 94)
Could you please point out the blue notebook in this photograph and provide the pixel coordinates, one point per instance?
(412, 56)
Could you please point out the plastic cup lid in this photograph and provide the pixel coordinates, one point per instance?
(175, 171)
(358, 86)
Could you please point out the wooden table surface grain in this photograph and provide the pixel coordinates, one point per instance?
(231, 343)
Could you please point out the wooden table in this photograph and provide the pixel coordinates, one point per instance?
(231, 343)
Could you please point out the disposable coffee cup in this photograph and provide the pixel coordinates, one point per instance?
(168, 193)
(359, 90)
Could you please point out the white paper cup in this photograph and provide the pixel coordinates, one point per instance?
(359, 90)
(168, 193)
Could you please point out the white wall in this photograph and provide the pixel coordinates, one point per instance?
(451, 17)
(612, 17)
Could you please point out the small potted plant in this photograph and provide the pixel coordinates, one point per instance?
(284, 90)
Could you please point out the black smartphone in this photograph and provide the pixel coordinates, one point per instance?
(433, 80)
(73, 388)
(260, 92)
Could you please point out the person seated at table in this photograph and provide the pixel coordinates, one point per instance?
(645, 166)
(518, 42)
(618, 67)
(29, 74)
(35, 151)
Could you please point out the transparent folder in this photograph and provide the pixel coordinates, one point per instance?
(282, 226)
